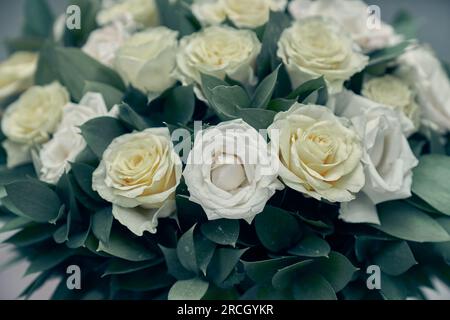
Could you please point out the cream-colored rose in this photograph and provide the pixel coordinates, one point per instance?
(242, 13)
(320, 154)
(103, 43)
(143, 13)
(31, 120)
(420, 67)
(313, 47)
(231, 172)
(67, 142)
(354, 16)
(218, 51)
(387, 158)
(16, 73)
(138, 174)
(147, 59)
(391, 91)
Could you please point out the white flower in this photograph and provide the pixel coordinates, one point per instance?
(392, 92)
(218, 51)
(355, 18)
(32, 119)
(143, 13)
(242, 13)
(387, 158)
(103, 43)
(423, 71)
(320, 154)
(147, 59)
(230, 171)
(313, 47)
(138, 174)
(67, 142)
(16, 73)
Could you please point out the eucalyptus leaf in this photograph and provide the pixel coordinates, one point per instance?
(223, 231)
(38, 19)
(119, 266)
(264, 91)
(110, 94)
(311, 246)
(395, 258)
(284, 278)
(83, 175)
(313, 287)
(102, 222)
(192, 289)
(174, 267)
(48, 259)
(223, 263)
(263, 271)
(186, 251)
(31, 235)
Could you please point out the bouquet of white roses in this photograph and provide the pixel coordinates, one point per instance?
(225, 149)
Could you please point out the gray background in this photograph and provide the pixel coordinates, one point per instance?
(433, 17)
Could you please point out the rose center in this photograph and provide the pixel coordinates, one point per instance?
(228, 177)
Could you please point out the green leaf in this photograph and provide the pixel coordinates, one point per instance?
(430, 181)
(72, 68)
(223, 231)
(204, 251)
(257, 118)
(263, 271)
(33, 200)
(265, 90)
(132, 119)
(309, 87)
(277, 229)
(15, 223)
(313, 287)
(409, 223)
(18, 173)
(280, 104)
(336, 269)
(102, 223)
(192, 289)
(395, 258)
(23, 43)
(48, 259)
(284, 278)
(392, 288)
(387, 54)
(89, 10)
(311, 246)
(79, 236)
(186, 251)
(227, 101)
(38, 19)
(175, 15)
(111, 95)
(405, 25)
(119, 266)
(174, 266)
(223, 263)
(179, 105)
(145, 280)
(126, 247)
(31, 235)
(99, 140)
(83, 175)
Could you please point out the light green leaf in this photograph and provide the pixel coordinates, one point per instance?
(409, 223)
(387, 54)
(313, 287)
(223, 231)
(192, 289)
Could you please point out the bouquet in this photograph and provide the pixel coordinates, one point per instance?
(225, 149)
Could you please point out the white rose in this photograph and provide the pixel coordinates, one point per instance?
(143, 13)
(355, 18)
(320, 154)
(387, 157)
(242, 13)
(422, 69)
(147, 59)
(16, 73)
(67, 142)
(392, 92)
(313, 47)
(218, 51)
(31, 120)
(103, 43)
(230, 171)
(138, 174)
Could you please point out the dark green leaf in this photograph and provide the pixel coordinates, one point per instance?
(306, 89)
(18, 173)
(405, 25)
(174, 266)
(395, 258)
(83, 175)
(223, 263)
(99, 140)
(111, 95)
(119, 266)
(132, 119)
(223, 231)
(48, 259)
(280, 104)
(179, 105)
(186, 251)
(15, 223)
(263, 271)
(145, 280)
(101, 224)
(175, 15)
(311, 246)
(387, 54)
(277, 229)
(392, 288)
(265, 90)
(38, 19)
(192, 289)
(31, 235)
(33, 200)
(313, 287)
(204, 250)
(89, 10)
(285, 277)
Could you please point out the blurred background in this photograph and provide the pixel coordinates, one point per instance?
(432, 17)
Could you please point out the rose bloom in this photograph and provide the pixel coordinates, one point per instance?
(242, 13)
(392, 92)
(143, 13)
(315, 47)
(147, 59)
(218, 51)
(320, 154)
(67, 142)
(103, 43)
(387, 157)
(420, 67)
(31, 120)
(138, 174)
(16, 73)
(353, 16)
(231, 172)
